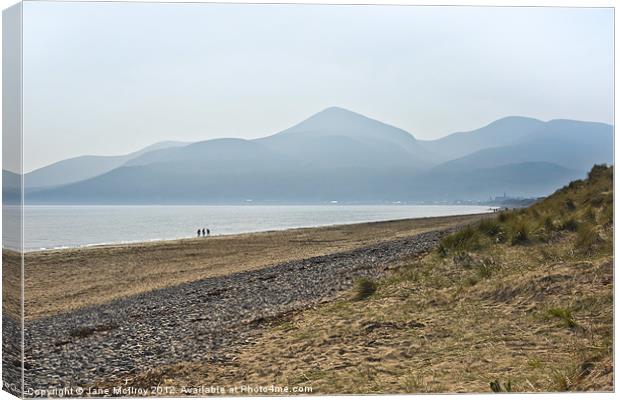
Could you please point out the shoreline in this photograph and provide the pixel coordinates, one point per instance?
(227, 235)
(58, 281)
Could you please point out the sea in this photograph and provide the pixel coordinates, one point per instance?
(58, 227)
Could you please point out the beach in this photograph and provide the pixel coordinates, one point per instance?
(58, 281)
(96, 314)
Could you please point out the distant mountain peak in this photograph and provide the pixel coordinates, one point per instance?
(508, 118)
(342, 120)
(512, 122)
(336, 113)
(338, 110)
(337, 124)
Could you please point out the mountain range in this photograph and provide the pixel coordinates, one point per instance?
(335, 155)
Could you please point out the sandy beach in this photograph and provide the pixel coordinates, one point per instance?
(97, 314)
(63, 280)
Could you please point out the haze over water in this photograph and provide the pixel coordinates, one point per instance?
(49, 227)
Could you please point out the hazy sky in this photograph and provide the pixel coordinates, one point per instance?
(110, 78)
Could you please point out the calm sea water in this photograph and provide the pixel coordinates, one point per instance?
(49, 227)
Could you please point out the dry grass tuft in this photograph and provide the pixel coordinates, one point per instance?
(364, 288)
(564, 315)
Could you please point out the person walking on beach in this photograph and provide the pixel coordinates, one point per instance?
(203, 232)
(208, 232)
(198, 232)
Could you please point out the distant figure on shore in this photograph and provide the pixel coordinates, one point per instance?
(198, 232)
(203, 232)
(208, 232)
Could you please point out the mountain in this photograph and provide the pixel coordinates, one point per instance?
(571, 144)
(84, 167)
(341, 155)
(332, 138)
(503, 132)
(344, 137)
(335, 153)
(204, 171)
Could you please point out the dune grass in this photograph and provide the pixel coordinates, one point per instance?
(583, 206)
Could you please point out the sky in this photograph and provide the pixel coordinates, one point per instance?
(111, 78)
